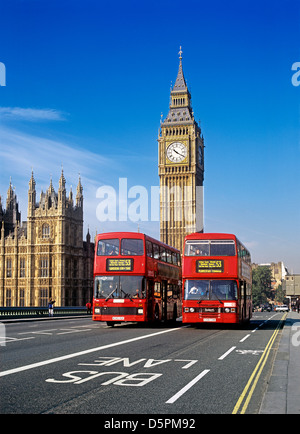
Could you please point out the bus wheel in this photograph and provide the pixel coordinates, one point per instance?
(110, 323)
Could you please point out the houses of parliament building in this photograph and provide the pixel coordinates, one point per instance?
(45, 257)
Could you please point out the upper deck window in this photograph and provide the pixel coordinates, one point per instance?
(108, 247)
(130, 247)
(210, 248)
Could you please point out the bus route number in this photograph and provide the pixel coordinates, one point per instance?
(209, 266)
(119, 264)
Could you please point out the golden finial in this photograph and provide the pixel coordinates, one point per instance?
(180, 54)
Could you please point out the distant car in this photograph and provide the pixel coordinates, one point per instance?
(282, 308)
(266, 307)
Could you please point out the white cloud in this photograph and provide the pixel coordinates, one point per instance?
(31, 114)
(21, 152)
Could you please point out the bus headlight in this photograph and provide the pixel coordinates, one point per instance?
(189, 309)
(140, 311)
(97, 310)
(229, 309)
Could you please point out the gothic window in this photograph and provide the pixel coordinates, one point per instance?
(46, 231)
(8, 268)
(8, 298)
(44, 297)
(22, 297)
(44, 267)
(22, 267)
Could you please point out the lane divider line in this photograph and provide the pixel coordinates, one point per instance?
(226, 354)
(244, 338)
(187, 387)
(80, 353)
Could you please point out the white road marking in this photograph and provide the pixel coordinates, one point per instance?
(41, 332)
(187, 387)
(244, 338)
(80, 353)
(68, 331)
(5, 340)
(226, 354)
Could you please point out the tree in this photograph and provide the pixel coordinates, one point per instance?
(280, 295)
(261, 285)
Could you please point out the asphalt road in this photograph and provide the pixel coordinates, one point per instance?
(80, 366)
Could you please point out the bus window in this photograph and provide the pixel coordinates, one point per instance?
(157, 290)
(176, 291)
(222, 248)
(149, 249)
(156, 253)
(197, 248)
(163, 254)
(223, 290)
(196, 289)
(170, 290)
(119, 287)
(108, 247)
(210, 248)
(131, 247)
(210, 290)
(169, 257)
(174, 258)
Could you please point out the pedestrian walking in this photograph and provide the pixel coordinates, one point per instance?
(298, 305)
(50, 307)
(88, 308)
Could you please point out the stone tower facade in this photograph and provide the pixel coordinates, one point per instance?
(181, 167)
(45, 257)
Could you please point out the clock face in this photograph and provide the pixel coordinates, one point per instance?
(176, 152)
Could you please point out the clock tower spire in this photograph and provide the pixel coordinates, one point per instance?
(181, 167)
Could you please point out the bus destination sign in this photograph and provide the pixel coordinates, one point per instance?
(209, 266)
(119, 264)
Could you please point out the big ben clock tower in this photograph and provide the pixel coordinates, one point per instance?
(181, 167)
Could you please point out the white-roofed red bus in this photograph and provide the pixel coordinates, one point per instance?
(217, 279)
(136, 278)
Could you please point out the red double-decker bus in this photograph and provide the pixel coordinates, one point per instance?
(136, 278)
(217, 279)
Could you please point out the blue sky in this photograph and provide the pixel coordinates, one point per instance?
(87, 81)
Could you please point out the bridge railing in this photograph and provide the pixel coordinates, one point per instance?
(30, 312)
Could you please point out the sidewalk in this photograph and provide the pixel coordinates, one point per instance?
(283, 391)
